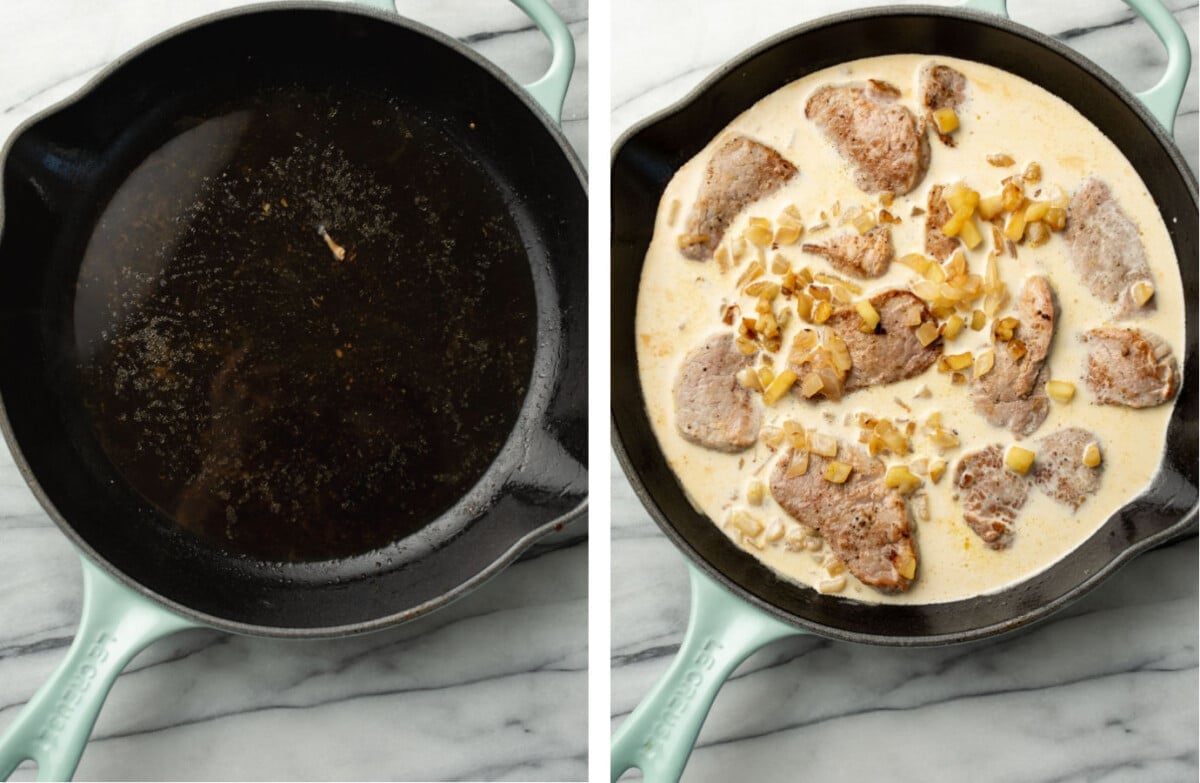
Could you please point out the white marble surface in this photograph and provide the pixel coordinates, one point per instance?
(1104, 691)
(493, 687)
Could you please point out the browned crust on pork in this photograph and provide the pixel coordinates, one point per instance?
(991, 495)
(1130, 367)
(739, 173)
(863, 256)
(865, 523)
(882, 141)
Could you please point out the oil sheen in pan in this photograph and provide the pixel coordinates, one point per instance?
(305, 324)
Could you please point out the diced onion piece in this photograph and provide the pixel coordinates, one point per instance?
(1091, 455)
(745, 346)
(864, 222)
(1000, 159)
(765, 376)
(990, 207)
(1060, 391)
(823, 444)
(952, 327)
(1056, 218)
(837, 472)
(755, 270)
(953, 226)
(772, 436)
(798, 466)
(1018, 459)
(822, 312)
(759, 234)
(804, 306)
(1011, 196)
(1017, 349)
(1015, 228)
(916, 262)
(1037, 234)
(959, 361)
(901, 478)
(811, 385)
(764, 288)
(779, 386)
(1141, 291)
(970, 234)
(839, 354)
(960, 198)
(869, 315)
(755, 493)
(1033, 172)
(984, 362)
(687, 240)
(788, 235)
(1003, 329)
(946, 120)
(937, 469)
(745, 522)
(914, 315)
(1036, 210)
(978, 320)
(926, 332)
(935, 273)
(833, 585)
(906, 566)
(794, 432)
(749, 379)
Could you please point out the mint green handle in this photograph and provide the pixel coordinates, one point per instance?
(550, 91)
(54, 726)
(723, 631)
(1163, 98)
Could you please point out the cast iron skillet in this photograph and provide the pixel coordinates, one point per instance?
(738, 603)
(145, 578)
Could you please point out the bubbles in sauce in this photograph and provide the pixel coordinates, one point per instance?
(305, 324)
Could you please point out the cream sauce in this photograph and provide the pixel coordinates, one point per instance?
(680, 303)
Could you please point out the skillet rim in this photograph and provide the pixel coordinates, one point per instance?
(1184, 527)
(515, 548)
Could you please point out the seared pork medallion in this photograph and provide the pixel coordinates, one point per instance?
(1129, 367)
(901, 374)
(1013, 393)
(711, 408)
(740, 173)
(861, 255)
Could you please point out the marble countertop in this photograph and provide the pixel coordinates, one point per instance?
(493, 687)
(1104, 691)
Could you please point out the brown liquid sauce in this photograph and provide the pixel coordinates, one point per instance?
(274, 399)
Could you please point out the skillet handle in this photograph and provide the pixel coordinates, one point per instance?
(1162, 99)
(723, 631)
(550, 91)
(53, 727)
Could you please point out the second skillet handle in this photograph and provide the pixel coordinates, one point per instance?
(1163, 98)
(723, 631)
(550, 91)
(54, 726)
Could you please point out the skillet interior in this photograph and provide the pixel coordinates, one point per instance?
(61, 170)
(646, 159)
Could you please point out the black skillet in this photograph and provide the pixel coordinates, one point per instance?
(492, 176)
(738, 604)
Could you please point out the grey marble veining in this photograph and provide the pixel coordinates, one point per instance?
(1104, 691)
(493, 687)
